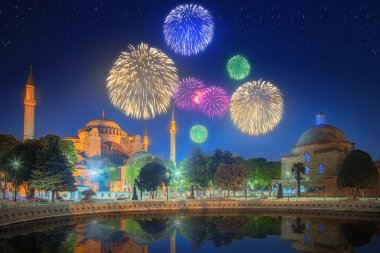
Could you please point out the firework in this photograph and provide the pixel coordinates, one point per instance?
(256, 107)
(141, 82)
(238, 67)
(188, 29)
(198, 134)
(214, 102)
(188, 93)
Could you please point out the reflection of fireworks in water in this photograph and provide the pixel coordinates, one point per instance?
(188, 93)
(198, 134)
(256, 107)
(141, 82)
(214, 102)
(238, 67)
(188, 29)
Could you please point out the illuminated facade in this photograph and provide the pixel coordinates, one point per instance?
(102, 144)
(322, 149)
(29, 106)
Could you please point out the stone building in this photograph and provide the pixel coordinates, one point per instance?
(322, 148)
(102, 144)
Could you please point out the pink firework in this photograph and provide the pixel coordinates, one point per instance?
(215, 102)
(189, 93)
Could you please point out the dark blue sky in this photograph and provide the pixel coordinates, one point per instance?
(323, 55)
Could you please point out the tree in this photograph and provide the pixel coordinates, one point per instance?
(7, 143)
(52, 170)
(196, 170)
(297, 170)
(231, 177)
(357, 172)
(261, 172)
(68, 149)
(280, 193)
(151, 176)
(25, 153)
(219, 157)
(132, 171)
(88, 193)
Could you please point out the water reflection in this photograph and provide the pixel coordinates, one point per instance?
(132, 235)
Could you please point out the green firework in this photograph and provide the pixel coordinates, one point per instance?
(238, 67)
(198, 133)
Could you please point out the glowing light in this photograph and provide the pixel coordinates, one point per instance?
(188, 93)
(256, 107)
(198, 134)
(142, 81)
(188, 29)
(238, 67)
(214, 102)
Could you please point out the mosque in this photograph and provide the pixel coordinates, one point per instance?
(101, 145)
(322, 148)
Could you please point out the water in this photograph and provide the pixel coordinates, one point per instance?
(195, 232)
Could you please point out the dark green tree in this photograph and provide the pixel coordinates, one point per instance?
(297, 170)
(151, 176)
(88, 193)
(7, 143)
(358, 172)
(52, 170)
(25, 153)
(219, 157)
(280, 193)
(196, 170)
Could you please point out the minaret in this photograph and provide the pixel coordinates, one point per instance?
(29, 105)
(146, 140)
(173, 131)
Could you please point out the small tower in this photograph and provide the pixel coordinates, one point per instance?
(173, 131)
(320, 119)
(29, 106)
(146, 140)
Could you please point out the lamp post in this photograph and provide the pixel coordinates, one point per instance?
(16, 165)
(167, 185)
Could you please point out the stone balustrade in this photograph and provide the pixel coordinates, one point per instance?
(22, 214)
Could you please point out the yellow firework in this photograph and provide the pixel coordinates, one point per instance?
(256, 107)
(141, 82)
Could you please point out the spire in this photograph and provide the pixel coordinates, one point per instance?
(173, 114)
(146, 131)
(30, 79)
(103, 115)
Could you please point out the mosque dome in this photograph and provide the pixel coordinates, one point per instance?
(322, 133)
(96, 123)
(104, 126)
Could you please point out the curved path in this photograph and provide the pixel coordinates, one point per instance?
(23, 214)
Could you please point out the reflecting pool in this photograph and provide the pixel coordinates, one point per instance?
(195, 232)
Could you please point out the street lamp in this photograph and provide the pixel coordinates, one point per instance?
(16, 163)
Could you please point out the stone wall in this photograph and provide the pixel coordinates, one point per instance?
(23, 214)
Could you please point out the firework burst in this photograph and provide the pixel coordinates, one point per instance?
(188, 29)
(188, 93)
(238, 67)
(256, 107)
(198, 134)
(214, 102)
(142, 81)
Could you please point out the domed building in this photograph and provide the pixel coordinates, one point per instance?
(102, 144)
(322, 148)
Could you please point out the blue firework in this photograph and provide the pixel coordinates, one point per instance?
(188, 29)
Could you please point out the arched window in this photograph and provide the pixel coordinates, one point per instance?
(306, 157)
(320, 168)
(306, 170)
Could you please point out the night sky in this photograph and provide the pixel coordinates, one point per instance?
(323, 55)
